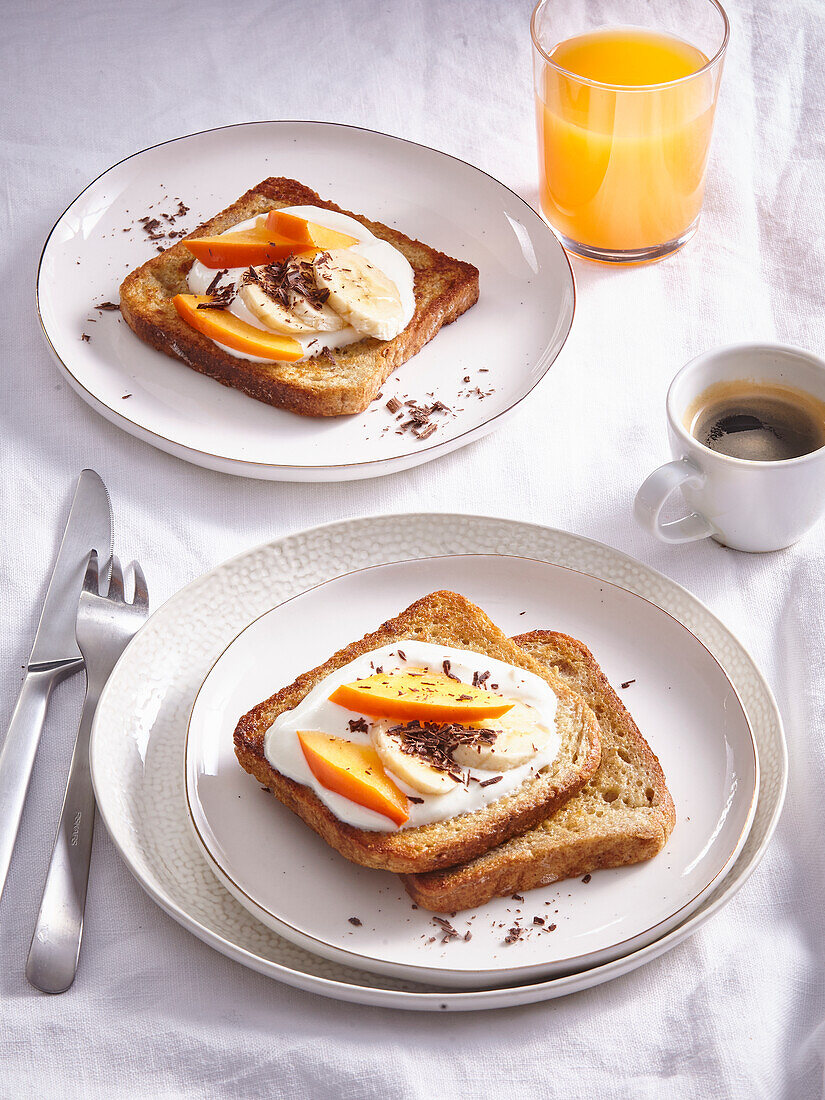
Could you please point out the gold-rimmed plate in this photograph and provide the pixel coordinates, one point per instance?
(291, 880)
(480, 368)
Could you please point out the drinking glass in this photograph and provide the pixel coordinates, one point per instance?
(625, 97)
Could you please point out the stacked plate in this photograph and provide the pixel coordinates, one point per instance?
(237, 869)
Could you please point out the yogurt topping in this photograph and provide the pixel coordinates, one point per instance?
(315, 712)
(379, 252)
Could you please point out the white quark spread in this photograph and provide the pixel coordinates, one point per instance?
(315, 712)
(381, 253)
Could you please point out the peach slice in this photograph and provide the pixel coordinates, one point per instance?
(307, 233)
(227, 329)
(354, 771)
(250, 248)
(427, 696)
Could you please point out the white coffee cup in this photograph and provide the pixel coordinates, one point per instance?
(744, 504)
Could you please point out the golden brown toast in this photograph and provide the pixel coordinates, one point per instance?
(451, 620)
(623, 815)
(346, 380)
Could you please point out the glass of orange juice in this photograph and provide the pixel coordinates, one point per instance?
(625, 97)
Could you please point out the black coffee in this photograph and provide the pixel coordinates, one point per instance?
(758, 421)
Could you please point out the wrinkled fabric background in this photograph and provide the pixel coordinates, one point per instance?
(736, 1011)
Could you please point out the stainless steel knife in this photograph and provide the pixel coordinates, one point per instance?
(55, 654)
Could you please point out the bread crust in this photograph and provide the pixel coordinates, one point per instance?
(343, 384)
(447, 619)
(593, 830)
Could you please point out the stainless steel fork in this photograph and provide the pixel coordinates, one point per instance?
(105, 626)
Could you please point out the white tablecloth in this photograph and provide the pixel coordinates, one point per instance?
(736, 1011)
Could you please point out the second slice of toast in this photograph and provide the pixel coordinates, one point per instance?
(623, 815)
(448, 619)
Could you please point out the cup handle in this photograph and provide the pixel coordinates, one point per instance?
(653, 494)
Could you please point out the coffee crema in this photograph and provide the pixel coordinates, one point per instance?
(759, 421)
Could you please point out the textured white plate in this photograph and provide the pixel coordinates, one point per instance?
(291, 880)
(138, 745)
(515, 331)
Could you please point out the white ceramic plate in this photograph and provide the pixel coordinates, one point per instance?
(291, 880)
(137, 752)
(514, 332)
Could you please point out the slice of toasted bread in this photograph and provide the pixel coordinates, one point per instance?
(451, 620)
(623, 815)
(344, 381)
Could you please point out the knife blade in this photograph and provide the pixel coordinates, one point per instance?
(54, 654)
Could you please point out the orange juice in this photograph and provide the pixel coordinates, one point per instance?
(623, 166)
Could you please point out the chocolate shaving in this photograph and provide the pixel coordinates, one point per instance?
(435, 743)
(490, 782)
(480, 679)
(587, 878)
(414, 798)
(417, 418)
(402, 654)
(286, 280)
(107, 307)
(538, 920)
(448, 930)
(85, 336)
(627, 683)
(355, 921)
(358, 725)
(514, 933)
(221, 298)
(213, 286)
(446, 666)
(153, 228)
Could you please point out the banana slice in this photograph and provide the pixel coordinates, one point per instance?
(271, 313)
(299, 319)
(411, 769)
(519, 737)
(360, 292)
(321, 318)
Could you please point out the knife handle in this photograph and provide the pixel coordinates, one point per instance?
(55, 946)
(17, 759)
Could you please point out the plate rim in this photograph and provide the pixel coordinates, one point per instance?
(430, 451)
(428, 973)
(502, 996)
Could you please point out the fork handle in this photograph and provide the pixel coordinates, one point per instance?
(52, 962)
